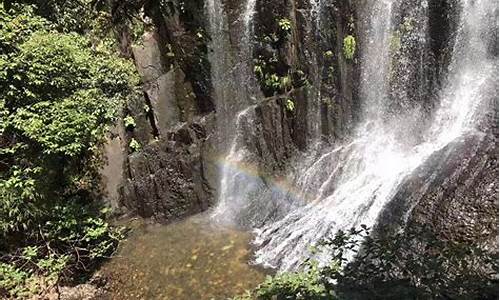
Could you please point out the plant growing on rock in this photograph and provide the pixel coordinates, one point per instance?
(328, 54)
(129, 121)
(134, 145)
(285, 82)
(285, 25)
(349, 47)
(290, 105)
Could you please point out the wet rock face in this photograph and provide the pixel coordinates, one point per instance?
(181, 27)
(455, 191)
(168, 179)
(175, 173)
(311, 54)
(271, 134)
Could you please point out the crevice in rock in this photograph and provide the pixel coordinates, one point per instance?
(151, 116)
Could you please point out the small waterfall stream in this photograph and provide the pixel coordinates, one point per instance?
(349, 184)
(248, 20)
(229, 69)
(237, 187)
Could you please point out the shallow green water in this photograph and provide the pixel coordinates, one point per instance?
(192, 259)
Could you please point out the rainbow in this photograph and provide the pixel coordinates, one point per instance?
(280, 184)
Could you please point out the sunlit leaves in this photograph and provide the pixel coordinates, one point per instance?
(349, 47)
(58, 94)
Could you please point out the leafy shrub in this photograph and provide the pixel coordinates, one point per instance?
(415, 264)
(129, 121)
(58, 94)
(328, 54)
(275, 81)
(306, 285)
(65, 15)
(71, 241)
(134, 145)
(290, 105)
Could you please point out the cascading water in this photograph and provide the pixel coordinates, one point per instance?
(229, 71)
(247, 18)
(353, 182)
(473, 70)
(236, 187)
(349, 184)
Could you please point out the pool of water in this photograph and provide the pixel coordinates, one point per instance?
(192, 260)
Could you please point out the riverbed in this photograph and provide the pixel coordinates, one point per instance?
(191, 259)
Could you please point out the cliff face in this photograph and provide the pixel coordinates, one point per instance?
(273, 77)
(168, 172)
(183, 118)
(455, 192)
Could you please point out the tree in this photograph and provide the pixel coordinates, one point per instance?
(58, 94)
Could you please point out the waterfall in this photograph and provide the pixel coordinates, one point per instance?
(216, 22)
(246, 199)
(229, 69)
(472, 70)
(220, 62)
(376, 59)
(350, 184)
(247, 18)
(241, 187)
(347, 184)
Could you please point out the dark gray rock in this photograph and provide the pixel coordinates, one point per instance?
(455, 191)
(167, 179)
(148, 57)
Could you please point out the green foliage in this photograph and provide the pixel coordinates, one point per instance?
(285, 82)
(16, 27)
(18, 199)
(285, 25)
(66, 127)
(58, 94)
(303, 285)
(74, 237)
(414, 264)
(271, 68)
(271, 81)
(349, 47)
(65, 15)
(273, 76)
(258, 70)
(134, 145)
(328, 54)
(306, 285)
(129, 121)
(290, 105)
(13, 280)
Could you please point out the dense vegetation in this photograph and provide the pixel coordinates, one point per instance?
(60, 87)
(415, 264)
(61, 84)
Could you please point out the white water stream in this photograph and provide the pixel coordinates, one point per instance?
(348, 185)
